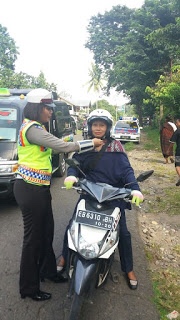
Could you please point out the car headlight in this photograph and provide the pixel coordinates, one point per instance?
(8, 168)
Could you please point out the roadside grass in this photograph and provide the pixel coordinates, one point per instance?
(153, 253)
(177, 249)
(129, 146)
(166, 291)
(165, 280)
(167, 203)
(165, 283)
(153, 139)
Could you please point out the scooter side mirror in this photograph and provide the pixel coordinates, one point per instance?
(145, 175)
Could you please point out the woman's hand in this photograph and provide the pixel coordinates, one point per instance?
(137, 197)
(97, 142)
(69, 181)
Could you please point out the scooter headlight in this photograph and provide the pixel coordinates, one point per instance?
(88, 250)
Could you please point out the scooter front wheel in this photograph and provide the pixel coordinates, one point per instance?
(76, 307)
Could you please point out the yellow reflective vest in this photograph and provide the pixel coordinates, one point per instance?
(34, 161)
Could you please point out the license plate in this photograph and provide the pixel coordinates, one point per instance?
(95, 219)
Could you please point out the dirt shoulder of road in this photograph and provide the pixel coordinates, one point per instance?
(159, 229)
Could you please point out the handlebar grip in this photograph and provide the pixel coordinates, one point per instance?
(128, 196)
(76, 184)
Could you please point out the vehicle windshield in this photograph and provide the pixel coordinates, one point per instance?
(8, 124)
(120, 124)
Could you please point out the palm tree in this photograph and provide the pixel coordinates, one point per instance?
(95, 81)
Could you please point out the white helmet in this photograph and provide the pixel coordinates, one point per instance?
(100, 114)
(40, 95)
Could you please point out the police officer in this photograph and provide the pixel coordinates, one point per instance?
(32, 192)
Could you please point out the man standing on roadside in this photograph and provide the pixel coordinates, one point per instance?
(176, 139)
(166, 133)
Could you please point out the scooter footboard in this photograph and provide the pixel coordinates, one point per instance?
(84, 273)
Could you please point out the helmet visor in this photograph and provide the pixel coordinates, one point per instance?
(48, 102)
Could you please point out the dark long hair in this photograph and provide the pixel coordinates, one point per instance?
(32, 111)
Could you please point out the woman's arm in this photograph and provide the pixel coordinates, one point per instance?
(128, 178)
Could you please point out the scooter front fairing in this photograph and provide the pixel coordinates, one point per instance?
(93, 233)
(104, 192)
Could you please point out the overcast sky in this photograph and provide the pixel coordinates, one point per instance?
(51, 36)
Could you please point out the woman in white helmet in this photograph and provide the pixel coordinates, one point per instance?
(32, 192)
(113, 168)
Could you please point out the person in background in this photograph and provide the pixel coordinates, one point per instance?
(176, 139)
(84, 129)
(32, 193)
(166, 132)
(114, 169)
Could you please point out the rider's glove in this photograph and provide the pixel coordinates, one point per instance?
(137, 197)
(69, 181)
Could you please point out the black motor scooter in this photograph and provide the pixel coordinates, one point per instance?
(93, 237)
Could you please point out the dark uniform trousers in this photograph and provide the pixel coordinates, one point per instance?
(38, 258)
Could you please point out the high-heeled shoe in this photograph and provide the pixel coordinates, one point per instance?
(38, 296)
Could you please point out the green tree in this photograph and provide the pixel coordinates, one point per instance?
(168, 39)
(121, 49)
(8, 77)
(104, 104)
(41, 82)
(11, 79)
(8, 51)
(166, 93)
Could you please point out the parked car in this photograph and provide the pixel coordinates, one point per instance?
(126, 130)
(12, 103)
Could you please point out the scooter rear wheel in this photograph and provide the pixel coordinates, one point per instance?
(76, 307)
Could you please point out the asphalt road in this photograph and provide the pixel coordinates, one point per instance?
(112, 301)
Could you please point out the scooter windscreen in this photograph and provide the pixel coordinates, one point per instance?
(104, 192)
